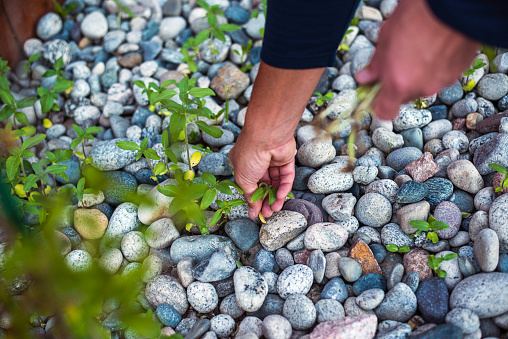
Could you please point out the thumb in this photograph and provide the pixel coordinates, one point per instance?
(366, 75)
(386, 105)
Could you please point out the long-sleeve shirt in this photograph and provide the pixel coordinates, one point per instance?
(303, 34)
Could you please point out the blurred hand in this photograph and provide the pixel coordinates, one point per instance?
(253, 165)
(417, 55)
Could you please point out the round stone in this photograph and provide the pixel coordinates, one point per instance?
(386, 187)
(202, 297)
(417, 261)
(465, 176)
(339, 206)
(402, 157)
(370, 299)
(369, 281)
(299, 311)
(296, 279)
(350, 269)
(329, 310)
(223, 325)
(250, 288)
(161, 233)
(78, 261)
(330, 179)
(457, 140)
(111, 260)
(90, 223)
(280, 228)
(168, 315)
(486, 249)
(374, 210)
(399, 304)
(94, 25)
(166, 289)
(230, 307)
(325, 236)
(493, 86)
(449, 213)
(315, 153)
(276, 327)
(134, 246)
(335, 289)
(49, 25)
(464, 319)
(498, 219)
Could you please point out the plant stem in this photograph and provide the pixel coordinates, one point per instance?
(211, 44)
(54, 182)
(151, 168)
(187, 145)
(16, 125)
(83, 146)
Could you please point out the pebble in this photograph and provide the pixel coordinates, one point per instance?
(399, 304)
(335, 289)
(464, 319)
(317, 263)
(107, 156)
(410, 192)
(370, 299)
(78, 261)
(432, 296)
(330, 179)
(219, 266)
(200, 247)
(423, 168)
(111, 260)
(281, 228)
(123, 220)
(264, 261)
(202, 297)
(498, 219)
(369, 281)
(493, 151)
(386, 187)
(223, 325)
(374, 210)
(329, 310)
(412, 280)
(417, 261)
(395, 276)
(168, 315)
(350, 270)
(299, 311)
(296, 279)
(276, 327)
(457, 140)
(325, 236)
(436, 129)
(410, 117)
(486, 249)
(94, 25)
(166, 289)
(315, 153)
(310, 211)
(284, 258)
(402, 157)
(339, 206)
(417, 211)
(482, 293)
(251, 324)
(386, 140)
(48, 26)
(161, 233)
(449, 213)
(493, 86)
(90, 223)
(359, 326)
(440, 189)
(250, 288)
(134, 246)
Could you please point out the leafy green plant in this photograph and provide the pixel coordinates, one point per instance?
(243, 56)
(64, 10)
(435, 262)
(28, 64)
(121, 8)
(80, 139)
(420, 103)
(143, 150)
(477, 64)
(343, 46)
(49, 97)
(323, 98)
(214, 30)
(429, 226)
(502, 170)
(394, 248)
(264, 191)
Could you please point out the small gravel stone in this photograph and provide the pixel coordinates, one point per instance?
(399, 304)
(449, 213)
(325, 236)
(78, 261)
(350, 270)
(410, 117)
(223, 325)
(316, 152)
(161, 233)
(339, 206)
(360, 326)
(280, 228)
(49, 25)
(94, 25)
(486, 249)
(276, 327)
(463, 318)
(250, 288)
(299, 311)
(329, 310)
(330, 179)
(166, 289)
(370, 299)
(202, 297)
(296, 279)
(493, 86)
(374, 210)
(317, 263)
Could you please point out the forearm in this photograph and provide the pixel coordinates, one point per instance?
(278, 100)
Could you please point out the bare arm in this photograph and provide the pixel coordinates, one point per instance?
(265, 149)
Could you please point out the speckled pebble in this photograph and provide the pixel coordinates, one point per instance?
(299, 311)
(370, 299)
(329, 310)
(374, 210)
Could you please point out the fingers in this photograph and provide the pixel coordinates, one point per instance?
(386, 105)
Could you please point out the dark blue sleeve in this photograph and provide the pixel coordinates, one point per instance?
(305, 33)
(482, 20)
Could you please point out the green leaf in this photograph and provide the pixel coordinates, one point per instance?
(258, 194)
(30, 182)
(229, 27)
(404, 249)
(441, 273)
(465, 215)
(165, 95)
(498, 168)
(199, 92)
(272, 196)
(58, 64)
(169, 190)
(177, 204)
(34, 58)
(212, 131)
(46, 103)
(61, 85)
(202, 36)
(128, 145)
(151, 154)
(219, 35)
(432, 262)
(224, 188)
(27, 154)
(209, 178)
(498, 189)
(21, 117)
(12, 166)
(449, 256)
(76, 142)
(216, 217)
(208, 198)
(30, 142)
(79, 131)
(7, 97)
(236, 202)
(56, 169)
(439, 225)
(27, 102)
(128, 11)
(392, 248)
(431, 219)
(420, 225)
(432, 236)
(203, 4)
(93, 130)
(81, 184)
(176, 124)
(139, 83)
(478, 63)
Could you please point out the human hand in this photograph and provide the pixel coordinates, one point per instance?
(253, 164)
(417, 55)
